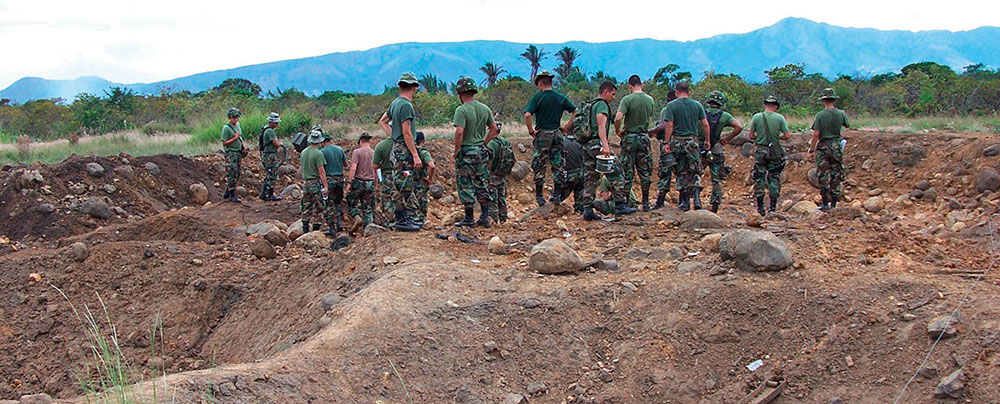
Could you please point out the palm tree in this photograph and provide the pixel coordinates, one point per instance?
(432, 84)
(534, 56)
(567, 55)
(492, 73)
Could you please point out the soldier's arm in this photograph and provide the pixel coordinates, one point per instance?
(602, 132)
(569, 125)
(668, 132)
(708, 136)
(459, 136)
(494, 131)
(230, 141)
(786, 136)
(322, 178)
(410, 145)
(350, 174)
(527, 122)
(737, 129)
(430, 172)
(619, 117)
(275, 141)
(383, 123)
(814, 141)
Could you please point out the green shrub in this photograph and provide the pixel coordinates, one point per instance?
(5, 138)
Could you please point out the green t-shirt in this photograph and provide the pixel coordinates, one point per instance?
(312, 159)
(474, 117)
(686, 114)
(776, 126)
(425, 157)
(401, 110)
(547, 107)
(381, 158)
(638, 109)
(335, 159)
(829, 123)
(724, 120)
(600, 107)
(269, 136)
(228, 131)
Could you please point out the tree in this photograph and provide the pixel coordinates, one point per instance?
(238, 86)
(601, 77)
(664, 74)
(534, 56)
(492, 73)
(432, 84)
(567, 56)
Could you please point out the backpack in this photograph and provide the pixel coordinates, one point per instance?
(260, 139)
(505, 161)
(582, 130)
(299, 142)
(713, 122)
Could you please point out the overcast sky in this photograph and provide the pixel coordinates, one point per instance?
(144, 41)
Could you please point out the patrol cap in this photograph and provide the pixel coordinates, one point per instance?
(828, 94)
(408, 78)
(315, 137)
(274, 118)
(772, 100)
(233, 113)
(466, 84)
(543, 73)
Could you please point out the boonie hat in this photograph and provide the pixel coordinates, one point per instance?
(364, 135)
(315, 137)
(543, 73)
(716, 97)
(274, 118)
(466, 84)
(772, 100)
(828, 94)
(233, 113)
(408, 78)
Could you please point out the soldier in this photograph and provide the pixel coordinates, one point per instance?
(404, 156)
(383, 178)
(361, 182)
(685, 117)
(232, 144)
(502, 159)
(268, 144)
(423, 180)
(635, 110)
(547, 105)
(827, 150)
(715, 157)
(768, 155)
(336, 160)
(594, 135)
(472, 118)
(603, 201)
(575, 173)
(315, 190)
(665, 169)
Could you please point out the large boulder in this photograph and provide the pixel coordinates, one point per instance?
(701, 219)
(198, 193)
(97, 208)
(261, 248)
(988, 180)
(520, 170)
(270, 232)
(94, 169)
(746, 150)
(295, 230)
(755, 250)
(292, 192)
(554, 256)
(813, 177)
(313, 241)
(152, 168)
(803, 207)
(125, 171)
(874, 204)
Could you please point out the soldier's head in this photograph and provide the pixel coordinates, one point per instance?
(683, 89)
(365, 139)
(327, 139)
(671, 95)
(634, 83)
(543, 80)
(408, 84)
(828, 96)
(418, 138)
(607, 91)
(716, 99)
(273, 120)
(316, 138)
(771, 103)
(234, 115)
(466, 89)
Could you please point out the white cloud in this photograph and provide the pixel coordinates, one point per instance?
(131, 41)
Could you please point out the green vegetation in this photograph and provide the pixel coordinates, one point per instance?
(107, 145)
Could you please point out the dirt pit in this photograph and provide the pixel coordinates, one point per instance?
(674, 323)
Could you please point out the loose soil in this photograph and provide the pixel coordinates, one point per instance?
(458, 324)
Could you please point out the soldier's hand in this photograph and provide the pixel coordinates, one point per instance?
(323, 191)
(606, 150)
(417, 164)
(708, 145)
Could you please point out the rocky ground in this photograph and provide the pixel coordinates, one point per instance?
(658, 307)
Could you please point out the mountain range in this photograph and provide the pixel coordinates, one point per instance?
(822, 48)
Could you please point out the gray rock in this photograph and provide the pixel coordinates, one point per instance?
(514, 398)
(701, 219)
(607, 265)
(554, 256)
(78, 251)
(691, 266)
(295, 230)
(152, 168)
(372, 229)
(261, 248)
(813, 177)
(270, 232)
(110, 189)
(742, 139)
(436, 191)
(836, 400)
(675, 253)
(954, 204)
(952, 385)
(45, 208)
(659, 253)
(330, 299)
(313, 241)
(992, 150)
(341, 241)
(944, 326)
(286, 169)
(242, 192)
(927, 372)
(874, 204)
(907, 154)
(988, 180)
(497, 246)
(746, 150)
(930, 195)
(536, 389)
(520, 170)
(292, 192)
(198, 193)
(36, 399)
(636, 254)
(923, 185)
(94, 170)
(96, 208)
(521, 148)
(916, 194)
(755, 250)
(126, 172)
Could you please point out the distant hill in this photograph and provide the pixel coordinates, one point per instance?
(823, 48)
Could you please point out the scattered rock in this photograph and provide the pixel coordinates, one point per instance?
(94, 169)
(295, 230)
(29, 179)
(261, 248)
(691, 266)
(242, 192)
(988, 180)
(607, 265)
(867, 164)
(436, 191)
(514, 398)
(45, 208)
(448, 200)
(78, 251)
(313, 241)
(755, 220)
(554, 256)
(923, 185)
(606, 376)
(874, 204)
(390, 260)
(954, 204)
(152, 168)
(372, 229)
(916, 194)
(330, 299)
(992, 150)
(930, 195)
(927, 373)
(813, 177)
(521, 148)
(804, 207)
(943, 326)
(198, 193)
(497, 246)
(546, 211)
(125, 171)
(110, 189)
(287, 169)
(710, 242)
(452, 218)
(875, 192)
(952, 385)
(755, 250)
(674, 253)
(36, 399)
(520, 170)
(293, 192)
(907, 154)
(341, 241)
(746, 150)
(536, 389)
(97, 208)
(525, 198)
(701, 219)
(836, 400)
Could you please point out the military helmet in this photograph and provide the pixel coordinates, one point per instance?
(466, 84)
(772, 100)
(315, 137)
(408, 78)
(274, 118)
(543, 73)
(828, 94)
(233, 113)
(716, 97)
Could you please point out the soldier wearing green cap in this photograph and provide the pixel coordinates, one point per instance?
(715, 157)
(361, 181)
(767, 130)
(592, 127)
(827, 150)
(312, 162)
(398, 122)
(232, 145)
(501, 161)
(546, 107)
(422, 180)
(472, 119)
(268, 144)
(383, 164)
(685, 118)
(336, 161)
(636, 111)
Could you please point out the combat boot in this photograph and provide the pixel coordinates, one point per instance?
(624, 209)
(468, 220)
(833, 201)
(305, 226)
(233, 198)
(538, 195)
(556, 196)
(340, 222)
(774, 204)
(697, 198)
(332, 230)
(660, 199)
(760, 205)
(589, 214)
(484, 218)
(684, 199)
(714, 208)
(226, 194)
(272, 196)
(645, 199)
(826, 202)
(263, 194)
(403, 222)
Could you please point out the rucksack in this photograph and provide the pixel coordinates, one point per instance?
(582, 130)
(299, 142)
(260, 139)
(713, 122)
(505, 161)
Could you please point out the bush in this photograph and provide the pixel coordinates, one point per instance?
(251, 123)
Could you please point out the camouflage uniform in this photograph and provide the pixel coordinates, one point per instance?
(715, 160)
(830, 166)
(768, 156)
(574, 157)
(592, 177)
(687, 154)
(361, 199)
(269, 155)
(335, 198)
(402, 178)
(312, 203)
(548, 149)
(497, 182)
(233, 169)
(472, 175)
(665, 171)
(636, 159)
(270, 162)
(421, 187)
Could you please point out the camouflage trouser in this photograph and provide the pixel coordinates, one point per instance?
(719, 171)
(385, 196)
(312, 203)
(574, 185)
(471, 175)
(233, 159)
(767, 166)
(270, 163)
(361, 199)
(498, 198)
(402, 179)
(420, 191)
(687, 153)
(335, 198)
(664, 173)
(830, 166)
(592, 178)
(636, 158)
(548, 149)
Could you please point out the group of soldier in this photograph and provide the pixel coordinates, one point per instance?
(690, 139)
